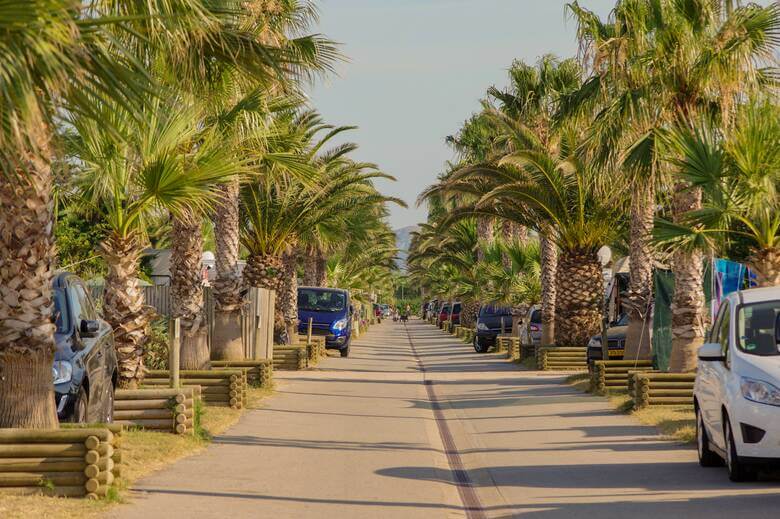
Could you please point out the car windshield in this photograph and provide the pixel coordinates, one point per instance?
(490, 310)
(321, 300)
(536, 317)
(756, 332)
(622, 320)
(60, 311)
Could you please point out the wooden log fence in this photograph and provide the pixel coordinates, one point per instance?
(171, 410)
(69, 462)
(259, 373)
(218, 387)
(291, 358)
(555, 358)
(614, 374)
(662, 389)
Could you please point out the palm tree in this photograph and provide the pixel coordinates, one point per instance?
(572, 200)
(674, 62)
(152, 166)
(738, 171)
(277, 212)
(55, 52)
(274, 27)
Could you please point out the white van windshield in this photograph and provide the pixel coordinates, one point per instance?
(756, 333)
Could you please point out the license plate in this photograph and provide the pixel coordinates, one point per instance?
(616, 353)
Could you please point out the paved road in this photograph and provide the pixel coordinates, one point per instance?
(414, 424)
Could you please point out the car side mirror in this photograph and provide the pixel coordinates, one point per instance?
(711, 352)
(777, 329)
(89, 328)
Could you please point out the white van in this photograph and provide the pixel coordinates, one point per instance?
(737, 391)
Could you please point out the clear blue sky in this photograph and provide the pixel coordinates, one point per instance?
(418, 68)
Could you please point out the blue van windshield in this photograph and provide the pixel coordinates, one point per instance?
(311, 300)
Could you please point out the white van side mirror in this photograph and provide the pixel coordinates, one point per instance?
(711, 352)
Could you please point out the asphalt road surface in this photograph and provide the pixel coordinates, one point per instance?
(415, 424)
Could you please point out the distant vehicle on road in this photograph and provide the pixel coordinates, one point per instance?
(331, 312)
(85, 367)
(385, 311)
(616, 341)
(444, 313)
(489, 326)
(531, 331)
(737, 390)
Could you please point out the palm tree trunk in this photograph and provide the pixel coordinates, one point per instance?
(263, 271)
(766, 264)
(640, 288)
(322, 269)
(187, 291)
(468, 313)
(508, 233)
(484, 234)
(549, 289)
(226, 339)
(310, 256)
(124, 308)
(27, 257)
(266, 271)
(288, 292)
(688, 297)
(580, 298)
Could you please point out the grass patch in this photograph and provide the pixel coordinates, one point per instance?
(580, 381)
(674, 422)
(143, 453)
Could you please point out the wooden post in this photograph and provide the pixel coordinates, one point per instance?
(174, 335)
(270, 309)
(309, 330)
(257, 321)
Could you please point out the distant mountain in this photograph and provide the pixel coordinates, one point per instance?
(403, 239)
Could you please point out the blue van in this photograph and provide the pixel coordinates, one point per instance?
(331, 312)
(489, 326)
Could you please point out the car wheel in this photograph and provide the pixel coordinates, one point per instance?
(707, 458)
(110, 404)
(344, 352)
(479, 348)
(80, 407)
(738, 471)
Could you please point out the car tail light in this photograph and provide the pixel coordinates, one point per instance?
(535, 328)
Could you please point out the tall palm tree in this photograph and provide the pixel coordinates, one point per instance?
(278, 211)
(153, 166)
(674, 62)
(277, 27)
(738, 171)
(56, 54)
(571, 199)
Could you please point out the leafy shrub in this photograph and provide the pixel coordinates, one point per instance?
(156, 350)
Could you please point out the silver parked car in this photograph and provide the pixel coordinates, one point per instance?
(531, 328)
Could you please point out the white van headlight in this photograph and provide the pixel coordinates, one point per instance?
(760, 391)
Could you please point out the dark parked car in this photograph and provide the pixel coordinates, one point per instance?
(85, 368)
(616, 341)
(489, 326)
(331, 312)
